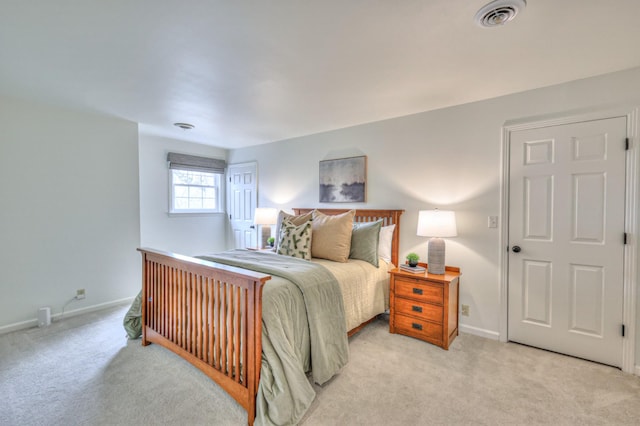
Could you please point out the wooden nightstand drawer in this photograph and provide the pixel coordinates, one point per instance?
(420, 310)
(425, 306)
(419, 328)
(418, 290)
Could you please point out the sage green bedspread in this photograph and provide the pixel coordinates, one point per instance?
(303, 327)
(133, 318)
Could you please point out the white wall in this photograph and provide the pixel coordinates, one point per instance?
(186, 234)
(448, 158)
(69, 215)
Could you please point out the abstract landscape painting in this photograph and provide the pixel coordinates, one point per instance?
(343, 180)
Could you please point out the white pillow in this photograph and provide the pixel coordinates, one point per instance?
(384, 242)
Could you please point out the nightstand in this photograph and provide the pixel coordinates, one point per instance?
(425, 306)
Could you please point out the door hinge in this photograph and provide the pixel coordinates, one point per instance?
(229, 216)
(625, 238)
(623, 330)
(626, 144)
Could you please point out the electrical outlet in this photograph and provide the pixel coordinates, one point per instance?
(464, 310)
(80, 293)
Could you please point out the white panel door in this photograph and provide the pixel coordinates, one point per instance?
(566, 229)
(242, 195)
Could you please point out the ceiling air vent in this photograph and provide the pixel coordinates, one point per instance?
(499, 12)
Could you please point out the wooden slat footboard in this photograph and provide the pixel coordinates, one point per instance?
(209, 314)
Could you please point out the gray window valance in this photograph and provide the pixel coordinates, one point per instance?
(195, 163)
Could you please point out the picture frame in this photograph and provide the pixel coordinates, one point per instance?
(343, 180)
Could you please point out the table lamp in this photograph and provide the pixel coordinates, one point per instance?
(436, 224)
(264, 216)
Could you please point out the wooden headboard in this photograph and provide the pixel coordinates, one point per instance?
(389, 217)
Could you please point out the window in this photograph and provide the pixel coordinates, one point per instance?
(195, 184)
(194, 192)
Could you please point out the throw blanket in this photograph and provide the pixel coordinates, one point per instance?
(133, 318)
(295, 317)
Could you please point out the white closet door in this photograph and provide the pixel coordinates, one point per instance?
(566, 217)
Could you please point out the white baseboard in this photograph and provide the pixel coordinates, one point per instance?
(488, 334)
(73, 313)
(18, 326)
(56, 317)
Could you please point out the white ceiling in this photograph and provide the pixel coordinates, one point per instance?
(246, 72)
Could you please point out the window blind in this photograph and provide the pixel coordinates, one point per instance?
(195, 163)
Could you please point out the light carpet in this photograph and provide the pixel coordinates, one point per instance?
(83, 371)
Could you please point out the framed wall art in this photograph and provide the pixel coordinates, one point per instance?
(343, 180)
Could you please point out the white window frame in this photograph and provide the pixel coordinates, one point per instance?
(218, 185)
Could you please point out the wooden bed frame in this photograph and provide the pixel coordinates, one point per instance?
(211, 314)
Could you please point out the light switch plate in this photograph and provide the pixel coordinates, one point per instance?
(492, 222)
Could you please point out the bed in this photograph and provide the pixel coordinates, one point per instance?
(209, 311)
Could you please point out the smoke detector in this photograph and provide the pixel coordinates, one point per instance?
(499, 12)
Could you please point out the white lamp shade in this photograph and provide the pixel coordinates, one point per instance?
(437, 223)
(265, 216)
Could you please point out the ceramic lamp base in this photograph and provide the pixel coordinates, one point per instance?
(436, 256)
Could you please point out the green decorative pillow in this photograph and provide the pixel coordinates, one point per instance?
(295, 240)
(364, 241)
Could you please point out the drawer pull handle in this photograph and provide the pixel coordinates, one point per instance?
(417, 291)
(416, 308)
(416, 326)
